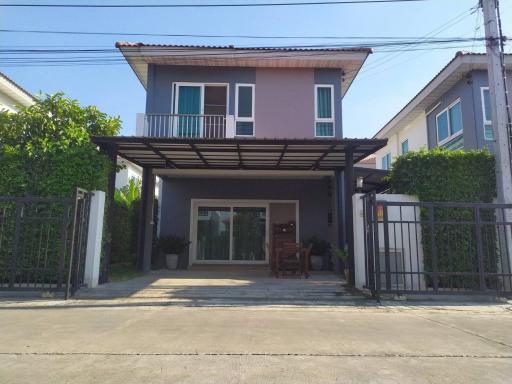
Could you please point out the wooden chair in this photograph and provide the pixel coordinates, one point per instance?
(292, 258)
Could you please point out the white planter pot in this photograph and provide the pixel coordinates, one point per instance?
(171, 261)
(316, 262)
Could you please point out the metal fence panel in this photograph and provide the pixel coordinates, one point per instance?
(36, 247)
(437, 248)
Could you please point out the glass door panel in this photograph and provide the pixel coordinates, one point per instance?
(213, 233)
(249, 233)
(189, 105)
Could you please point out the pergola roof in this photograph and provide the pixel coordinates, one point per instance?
(239, 153)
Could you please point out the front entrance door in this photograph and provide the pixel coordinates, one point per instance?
(230, 232)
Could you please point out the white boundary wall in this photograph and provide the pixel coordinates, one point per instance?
(94, 239)
(406, 240)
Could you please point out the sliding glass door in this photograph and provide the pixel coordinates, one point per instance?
(249, 233)
(231, 232)
(213, 233)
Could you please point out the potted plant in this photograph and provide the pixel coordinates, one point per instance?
(319, 252)
(343, 255)
(172, 247)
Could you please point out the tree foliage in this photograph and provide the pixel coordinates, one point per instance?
(46, 148)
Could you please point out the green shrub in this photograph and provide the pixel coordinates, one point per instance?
(125, 223)
(442, 175)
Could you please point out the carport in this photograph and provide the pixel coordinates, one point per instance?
(333, 157)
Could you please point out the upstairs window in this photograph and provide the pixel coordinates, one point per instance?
(386, 161)
(487, 113)
(449, 123)
(324, 111)
(244, 110)
(405, 146)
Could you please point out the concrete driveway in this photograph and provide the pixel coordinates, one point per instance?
(120, 341)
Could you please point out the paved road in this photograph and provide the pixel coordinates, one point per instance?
(117, 342)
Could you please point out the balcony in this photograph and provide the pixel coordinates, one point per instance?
(183, 125)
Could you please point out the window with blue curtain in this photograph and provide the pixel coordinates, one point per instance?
(487, 114)
(449, 123)
(386, 161)
(405, 146)
(324, 119)
(189, 103)
(244, 125)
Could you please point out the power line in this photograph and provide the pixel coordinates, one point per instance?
(86, 33)
(196, 5)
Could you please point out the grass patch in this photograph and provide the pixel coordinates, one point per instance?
(122, 272)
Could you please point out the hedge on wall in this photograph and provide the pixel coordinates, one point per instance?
(442, 175)
(445, 175)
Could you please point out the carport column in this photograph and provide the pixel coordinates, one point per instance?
(340, 210)
(145, 243)
(349, 215)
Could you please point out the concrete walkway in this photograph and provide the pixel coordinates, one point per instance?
(225, 285)
(87, 341)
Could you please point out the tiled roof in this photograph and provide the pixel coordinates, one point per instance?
(124, 44)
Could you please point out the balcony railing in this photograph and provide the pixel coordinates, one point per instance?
(185, 125)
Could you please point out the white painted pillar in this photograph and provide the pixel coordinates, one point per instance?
(94, 239)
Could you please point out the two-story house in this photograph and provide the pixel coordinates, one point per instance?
(453, 110)
(244, 140)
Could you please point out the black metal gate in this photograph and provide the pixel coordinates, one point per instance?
(437, 248)
(43, 242)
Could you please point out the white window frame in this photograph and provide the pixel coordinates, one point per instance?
(176, 95)
(232, 203)
(325, 120)
(245, 119)
(450, 135)
(402, 146)
(484, 119)
(388, 163)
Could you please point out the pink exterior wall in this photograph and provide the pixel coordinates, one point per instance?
(284, 103)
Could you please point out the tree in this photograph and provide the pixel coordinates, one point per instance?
(46, 148)
(54, 123)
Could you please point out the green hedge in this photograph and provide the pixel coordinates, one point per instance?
(54, 174)
(442, 175)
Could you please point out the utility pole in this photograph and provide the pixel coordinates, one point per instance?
(497, 89)
(496, 73)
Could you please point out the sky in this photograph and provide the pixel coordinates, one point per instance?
(385, 84)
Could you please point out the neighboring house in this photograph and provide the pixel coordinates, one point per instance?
(12, 95)
(129, 171)
(453, 110)
(244, 140)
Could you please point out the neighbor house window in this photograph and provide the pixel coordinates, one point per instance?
(386, 161)
(405, 146)
(324, 111)
(487, 113)
(244, 110)
(449, 123)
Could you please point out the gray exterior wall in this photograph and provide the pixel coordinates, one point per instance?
(468, 90)
(313, 195)
(284, 98)
(160, 79)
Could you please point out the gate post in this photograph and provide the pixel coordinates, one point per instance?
(94, 239)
